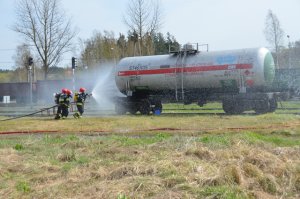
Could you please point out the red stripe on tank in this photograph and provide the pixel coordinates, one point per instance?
(185, 69)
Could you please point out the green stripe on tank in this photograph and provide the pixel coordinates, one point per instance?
(141, 88)
(269, 68)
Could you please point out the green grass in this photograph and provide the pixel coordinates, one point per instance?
(216, 140)
(184, 156)
(58, 139)
(140, 140)
(83, 160)
(7, 142)
(19, 147)
(122, 196)
(216, 107)
(289, 104)
(23, 187)
(276, 140)
(226, 140)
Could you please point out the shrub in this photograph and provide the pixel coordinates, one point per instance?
(18, 147)
(23, 187)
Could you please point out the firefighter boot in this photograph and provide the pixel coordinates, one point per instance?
(76, 115)
(57, 117)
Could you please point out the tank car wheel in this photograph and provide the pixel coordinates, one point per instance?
(133, 110)
(145, 107)
(262, 106)
(228, 106)
(238, 108)
(273, 105)
(232, 106)
(158, 106)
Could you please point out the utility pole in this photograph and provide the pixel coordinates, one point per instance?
(115, 60)
(74, 65)
(30, 65)
(289, 44)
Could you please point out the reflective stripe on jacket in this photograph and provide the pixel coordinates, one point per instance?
(81, 98)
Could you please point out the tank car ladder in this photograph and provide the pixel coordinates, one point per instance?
(176, 73)
(182, 59)
(182, 53)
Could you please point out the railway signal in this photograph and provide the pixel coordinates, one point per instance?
(74, 63)
(30, 61)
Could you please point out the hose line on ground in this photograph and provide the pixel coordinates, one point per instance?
(13, 118)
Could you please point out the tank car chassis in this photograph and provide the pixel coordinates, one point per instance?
(260, 102)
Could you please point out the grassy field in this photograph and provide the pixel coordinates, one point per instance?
(168, 156)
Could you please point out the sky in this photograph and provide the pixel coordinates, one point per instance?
(222, 24)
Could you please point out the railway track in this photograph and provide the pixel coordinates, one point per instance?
(92, 110)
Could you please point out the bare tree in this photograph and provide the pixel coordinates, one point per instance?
(274, 33)
(21, 70)
(21, 56)
(44, 25)
(143, 18)
(99, 49)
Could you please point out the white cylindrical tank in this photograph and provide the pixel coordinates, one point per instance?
(241, 68)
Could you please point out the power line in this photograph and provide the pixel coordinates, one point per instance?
(10, 49)
(6, 62)
(10, 62)
(7, 49)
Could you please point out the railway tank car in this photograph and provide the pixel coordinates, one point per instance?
(238, 78)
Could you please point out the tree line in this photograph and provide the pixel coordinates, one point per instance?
(48, 34)
(105, 47)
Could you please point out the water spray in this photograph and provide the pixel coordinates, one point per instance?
(105, 89)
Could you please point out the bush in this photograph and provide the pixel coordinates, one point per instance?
(18, 147)
(23, 187)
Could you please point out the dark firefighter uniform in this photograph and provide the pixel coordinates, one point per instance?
(64, 102)
(57, 101)
(80, 98)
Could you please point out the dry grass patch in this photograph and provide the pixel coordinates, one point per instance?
(129, 171)
(9, 156)
(135, 163)
(202, 153)
(252, 171)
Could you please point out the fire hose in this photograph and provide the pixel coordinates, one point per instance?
(26, 115)
(44, 109)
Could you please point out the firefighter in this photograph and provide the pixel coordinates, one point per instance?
(64, 102)
(57, 101)
(79, 99)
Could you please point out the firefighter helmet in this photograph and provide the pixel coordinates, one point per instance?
(69, 92)
(82, 90)
(64, 90)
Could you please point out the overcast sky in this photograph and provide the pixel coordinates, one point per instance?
(223, 24)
